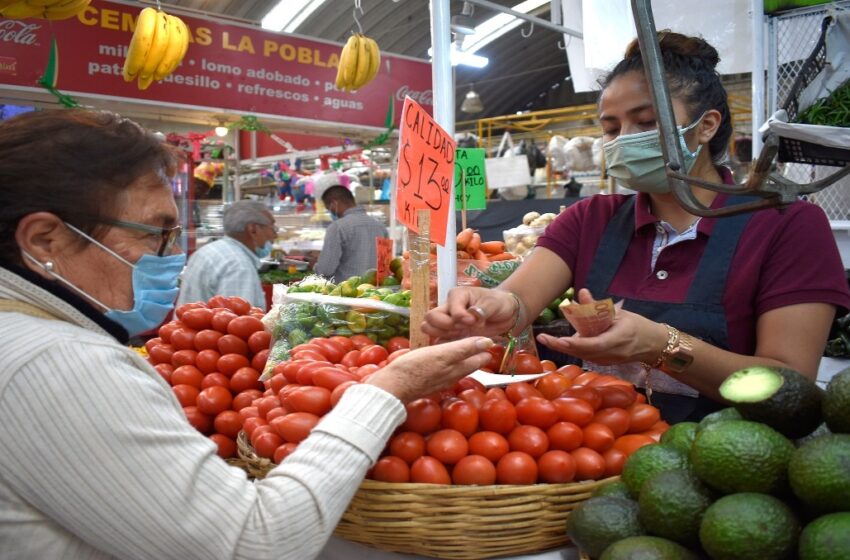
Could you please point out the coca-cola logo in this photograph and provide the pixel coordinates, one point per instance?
(20, 32)
(422, 97)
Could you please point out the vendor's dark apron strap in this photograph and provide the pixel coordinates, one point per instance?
(612, 248)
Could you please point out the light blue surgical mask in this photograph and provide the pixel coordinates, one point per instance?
(154, 288)
(636, 160)
(264, 251)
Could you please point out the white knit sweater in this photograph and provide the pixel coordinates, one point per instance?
(98, 461)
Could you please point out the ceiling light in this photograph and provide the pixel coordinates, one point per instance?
(498, 25)
(462, 23)
(288, 15)
(464, 58)
(472, 102)
(221, 131)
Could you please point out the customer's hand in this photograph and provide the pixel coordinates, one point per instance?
(471, 311)
(423, 371)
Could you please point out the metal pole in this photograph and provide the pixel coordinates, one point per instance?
(772, 66)
(444, 114)
(526, 17)
(757, 14)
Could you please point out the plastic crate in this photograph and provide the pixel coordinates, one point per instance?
(811, 67)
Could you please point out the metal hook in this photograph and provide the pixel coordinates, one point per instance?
(561, 46)
(357, 7)
(530, 31)
(158, 6)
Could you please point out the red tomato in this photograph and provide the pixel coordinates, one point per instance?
(391, 469)
(585, 378)
(198, 319)
(187, 395)
(397, 343)
(315, 400)
(245, 398)
(168, 328)
(331, 349)
(238, 305)
(331, 377)
(516, 467)
(165, 370)
(360, 341)
(150, 343)
(183, 357)
(474, 397)
(536, 411)
(468, 382)
(207, 339)
(228, 422)
(258, 341)
(518, 391)
(187, 375)
(570, 371)
(276, 412)
(232, 344)
(258, 362)
(245, 378)
(588, 394)
(565, 436)
(251, 423)
(428, 470)
(642, 417)
(266, 444)
(283, 452)
(312, 355)
(245, 326)
(630, 443)
(552, 385)
(183, 339)
(368, 369)
(229, 363)
(461, 416)
(615, 418)
(525, 362)
(217, 302)
(213, 400)
(215, 379)
(548, 365)
(497, 352)
(529, 439)
(373, 354)
(423, 416)
(496, 393)
(447, 446)
(589, 464)
(336, 394)
(614, 461)
(407, 446)
(221, 318)
(488, 444)
(344, 341)
(182, 309)
(616, 396)
(161, 353)
(276, 383)
(577, 411)
(289, 369)
(556, 467)
(226, 445)
(201, 422)
(474, 469)
(598, 437)
(207, 360)
(351, 359)
(498, 415)
(295, 427)
(266, 404)
(397, 354)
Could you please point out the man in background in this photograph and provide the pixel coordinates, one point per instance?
(229, 266)
(349, 248)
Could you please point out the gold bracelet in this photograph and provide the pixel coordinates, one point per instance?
(672, 342)
(518, 312)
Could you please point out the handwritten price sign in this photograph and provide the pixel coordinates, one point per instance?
(425, 170)
(469, 164)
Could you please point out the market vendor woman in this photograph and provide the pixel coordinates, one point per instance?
(703, 297)
(98, 459)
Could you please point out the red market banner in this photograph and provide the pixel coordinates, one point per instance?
(228, 67)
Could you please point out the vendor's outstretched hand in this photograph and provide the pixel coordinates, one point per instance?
(423, 371)
(631, 338)
(471, 310)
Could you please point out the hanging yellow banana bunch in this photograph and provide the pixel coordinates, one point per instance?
(44, 9)
(159, 43)
(358, 64)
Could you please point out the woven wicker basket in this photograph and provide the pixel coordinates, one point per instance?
(459, 522)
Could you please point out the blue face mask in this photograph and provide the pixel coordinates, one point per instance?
(264, 251)
(154, 288)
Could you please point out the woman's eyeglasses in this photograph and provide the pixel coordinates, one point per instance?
(169, 236)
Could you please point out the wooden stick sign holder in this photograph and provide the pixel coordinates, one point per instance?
(420, 271)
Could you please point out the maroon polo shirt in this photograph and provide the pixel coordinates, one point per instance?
(782, 258)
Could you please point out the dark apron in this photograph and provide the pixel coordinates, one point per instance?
(700, 315)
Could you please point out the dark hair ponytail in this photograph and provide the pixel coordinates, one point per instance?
(689, 65)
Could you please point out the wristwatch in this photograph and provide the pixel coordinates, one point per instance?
(677, 355)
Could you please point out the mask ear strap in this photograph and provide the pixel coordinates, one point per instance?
(66, 283)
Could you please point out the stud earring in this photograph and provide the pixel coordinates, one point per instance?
(48, 265)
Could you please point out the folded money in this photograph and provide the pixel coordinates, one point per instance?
(589, 319)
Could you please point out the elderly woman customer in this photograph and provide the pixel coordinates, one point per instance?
(98, 459)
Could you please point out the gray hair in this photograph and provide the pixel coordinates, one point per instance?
(239, 214)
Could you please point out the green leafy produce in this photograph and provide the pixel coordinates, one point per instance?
(277, 276)
(830, 111)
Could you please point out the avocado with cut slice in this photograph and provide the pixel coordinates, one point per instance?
(782, 398)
